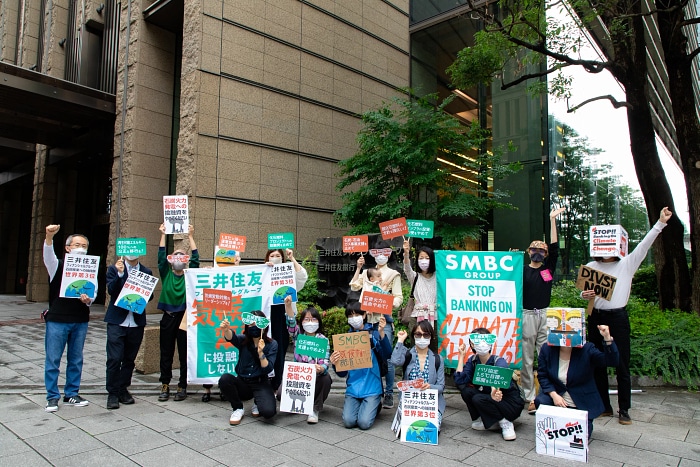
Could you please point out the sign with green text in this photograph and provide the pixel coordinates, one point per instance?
(420, 229)
(314, 347)
(493, 376)
(280, 241)
(131, 247)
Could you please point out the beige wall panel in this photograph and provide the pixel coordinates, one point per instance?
(155, 101)
(315, 113)
(209, 124)
(208, 104)
(246, 12)
(277, 160)
(152, 122)
(212, 7)
(205, 186)
(149, 188)
(283, 20)
(207, 146)
(146, 210)
(242, 213)
(239, 152)
(209, 83)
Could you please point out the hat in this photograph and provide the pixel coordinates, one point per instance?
(539, 244)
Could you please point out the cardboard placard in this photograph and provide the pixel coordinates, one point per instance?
(79, 276)
(608, 240)
(298, 388)
(131, 247)
(566, 327)
(419, 416)
(591, 279)
(373, 302)
(217, 299)
(561, 432)
(356, 244)
(355, 350)
(280, 241)
(493, 376)
(420, 229)
(409, 384)
(311, 346)
(393, 228)
(176, 214)
(136, 292)
(232, 242)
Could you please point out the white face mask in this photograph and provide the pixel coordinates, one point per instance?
(310, 327)
(131, 258)
(178, 266)
(381, 259)
(482, 348)
(78, 251)
(424, 264)
(356, 321)
(275, 259)
(422, 343)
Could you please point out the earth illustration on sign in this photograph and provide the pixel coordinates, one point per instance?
(132, 302)
(79, 287)
(226, 256)
(282, 293)
(422, 431)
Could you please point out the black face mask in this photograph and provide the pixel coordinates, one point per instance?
(537, 257)
(253, 332)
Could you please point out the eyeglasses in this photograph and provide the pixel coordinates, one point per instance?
(424, 335)
(79, 245)
(309, 320)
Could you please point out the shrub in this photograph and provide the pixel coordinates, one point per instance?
(310, 292)
(566, 295)
(644, 284)
(334, 322)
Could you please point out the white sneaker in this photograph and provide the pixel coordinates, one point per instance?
(254, 411)
(236, 417)
(313, 418)
(507, 429)
(478, 425)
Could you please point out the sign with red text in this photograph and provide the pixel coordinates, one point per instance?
(409, 384)
(608, 241)
(356, 244)
(232, 242)
(419, 416)
(79, 276)
(373, 302)
(355, 350)
(298, 388)
(217, 299)
(393, 228)
(176, 214)
(137, 291)
(561, 432)
(283, 283)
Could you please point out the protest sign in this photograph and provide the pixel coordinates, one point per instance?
(176, 214)
(494, 376)
(419, 416)
(131, 247)
(420, 229)
(283, 282)
(79, 276)
(217, 299)
(298, 388)
(561, 432)
(280, 241)
(356, 244)
(591, 279)
(373, 302)
(311, 346)
(232, 242)
(355, 350)
(393, 228)
(208, 354)
(478, 338)
(479, 289)
(136, 292)
(409, 384)
(250, 319)
(224, 257)
(566, 327)
(608, 240)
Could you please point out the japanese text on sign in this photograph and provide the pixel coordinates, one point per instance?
(393, 228)
(232, 242)
(493, 376)
(355, 350)
(373, 302)
(176, 217)
(356, 244)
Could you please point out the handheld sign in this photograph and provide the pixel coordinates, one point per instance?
(136, 292)
(355, 350)
(280, 241)
(217, 299)
(608, 240)
(283, 283)
(591, 279)
(178, 259)
(566, 327)
(224, 257)
(232, 242)
(494, 376)
(419, 417)
(393, 228)
(298, 388)
(311, 346)
(356, 244)
(260, 322)
(409, 384)
(476, 338)
(373, 302)
(420, 229)
(176, 214)
(131, 247)
(79, 276)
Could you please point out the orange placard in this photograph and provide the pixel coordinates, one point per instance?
(232, 242)
(373, 302)
(356, 244)
(355, 350)
(217, 299)
(393, 228)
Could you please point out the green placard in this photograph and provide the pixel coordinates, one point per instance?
(260, 322)
(420, 229)
(280, 240)
(131, 247)
(314, 347)
(493, 376)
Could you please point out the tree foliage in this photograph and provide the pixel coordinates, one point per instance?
(417, 161)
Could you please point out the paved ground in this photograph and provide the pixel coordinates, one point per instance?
(666, 428)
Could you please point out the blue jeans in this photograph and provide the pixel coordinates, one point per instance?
(361, 412)
(389, 331)
(55, 340)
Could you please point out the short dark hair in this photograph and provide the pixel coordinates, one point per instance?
(313, 311)
(425, 326)
(352, 308)
(263, 333)
(269, 252)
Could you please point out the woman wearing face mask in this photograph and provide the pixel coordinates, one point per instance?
(420, 362)
(312, 325)
(172, 302)
(489, 407)
(256, 360)
(278, 319)
(425, 290)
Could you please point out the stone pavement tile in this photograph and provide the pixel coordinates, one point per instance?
(688, 463)
(494, 440)
(263, 433)
(693, 436)
(63, 443)
(189, 406)
(175, 454)
(10, 444)
(673, 410)
(38, 425)
(18, 408)
(24, 459)
(487, 456)
(218, 417)
(12, 378)
(29, 355)
(104, 456)
(427, 458)
(672, 447)
(637, 415)
(369, 445)
(331, 414)
(135, 439)
(663, 431)
(313, 453)
(360, 461)
(681, 398)
(616, 433)
(227, 454)
(155, 417)
(283, 419)
(670, 420)
(323, 431)
(447, 448)
(68, 412)
(104, 422)
(201, 437)
(632, 455)
(558, 462)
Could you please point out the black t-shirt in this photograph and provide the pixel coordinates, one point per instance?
(536, 291)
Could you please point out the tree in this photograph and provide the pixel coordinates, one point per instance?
(417, 161)
(520, 35)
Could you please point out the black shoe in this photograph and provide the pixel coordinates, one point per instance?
(181, 394)
(624, 417)
(223, 397)
(125, 397)
(112, 402)
(206, 397)
(388, 401)
(75, 401)
(164, 393)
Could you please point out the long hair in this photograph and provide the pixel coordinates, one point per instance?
(269, 252)
(428, 251)
(424, 327)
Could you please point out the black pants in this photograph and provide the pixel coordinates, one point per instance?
(278, 322)
(170, 333)
(237, 389)
(480, 404)
(122, 346)
(619, 323)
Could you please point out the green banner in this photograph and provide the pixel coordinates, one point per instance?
(314, 347)
(479, 289)
(131, 247)
(493, 376)
(420, 229)
(259, 321)
(276, 241)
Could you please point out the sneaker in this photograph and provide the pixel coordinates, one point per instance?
(181, 394)
(164, 393)
(507, 430)
(126, 398)
(388, 401)
(254, 411)
(51, 405)
(75, 401)
(236, 417)
(624, 417)
(478, 425)
(607, 413)
(313, 418)
(112, 402)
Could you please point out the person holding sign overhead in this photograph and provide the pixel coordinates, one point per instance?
(66, 324)
(612, 313)
(312, 324)
(256, 360)
(488, 406)
(124, 332)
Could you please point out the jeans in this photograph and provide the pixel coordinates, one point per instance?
(122, 346)
(361, 412)
(170, 333)
(389, 331)
(55, 340)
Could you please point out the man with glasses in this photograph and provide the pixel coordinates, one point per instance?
(66, 324)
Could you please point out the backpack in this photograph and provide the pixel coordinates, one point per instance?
(383, 364)
(408, 358)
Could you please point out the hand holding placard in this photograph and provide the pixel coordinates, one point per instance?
(595, 283)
